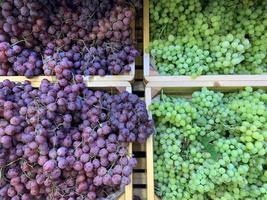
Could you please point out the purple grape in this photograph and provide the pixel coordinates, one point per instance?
(62, 151)
(78, 165)
(127, 171)
(98, 180)
(116, 179)
(49, 166)
(84, 158)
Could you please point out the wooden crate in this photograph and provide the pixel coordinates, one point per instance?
(108, 86)
(184, 89)
(151, 74)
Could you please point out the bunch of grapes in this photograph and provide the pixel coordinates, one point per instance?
(212, 146)
(65, 141)
(15, 60)
(111, 58)
(214, 37)
(99, 31)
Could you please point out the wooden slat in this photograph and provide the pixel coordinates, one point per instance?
(141, 192)
(138, 86)
(36, 81)
(221, 85)
(158, 78)
(141, 163)
(139, 74)
(139, 178)
(129, 188)
(149, 153)
(146, 37)
(139, 60)
(139, 147)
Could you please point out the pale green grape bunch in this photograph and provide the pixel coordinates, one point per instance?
(198, 37)
(211, 146)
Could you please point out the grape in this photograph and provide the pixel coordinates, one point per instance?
(58, 144)
(218, 37)
(127, 170)
(116, 179)
(98, 180)
(209, 146)
(49, 166)
(67, 33)
(6, 141)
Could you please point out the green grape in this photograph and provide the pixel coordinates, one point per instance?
(211, 146)
(233, 32)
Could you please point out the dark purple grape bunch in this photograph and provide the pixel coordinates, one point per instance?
(64, 140)
(115, 27)
(129, 117)
(8, 55)
(63, 64)
(24, 20)
(121, 58)
(95, 61)
(12, 124)
(18, 61)
(28, 63)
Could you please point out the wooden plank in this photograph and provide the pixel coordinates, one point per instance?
(155, 78)
(139, 178)
(139, 60)
(138, 86)
(140, 192)
(149, 153)
(141, 163)
(139, 74)
(191, 86)
(129, 188)
(146, 37)
(139, 147)
(122, 197)
(36, 81)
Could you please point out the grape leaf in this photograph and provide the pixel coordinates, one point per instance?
(209, 147)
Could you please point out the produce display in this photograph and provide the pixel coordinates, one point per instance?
(198, 37)
(63, 141)
(212, 146)
(95, 35)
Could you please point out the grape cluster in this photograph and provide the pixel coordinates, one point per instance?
(100, 31)
(211, 37)
(15, 60)
(65, 141)
(212, 146)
